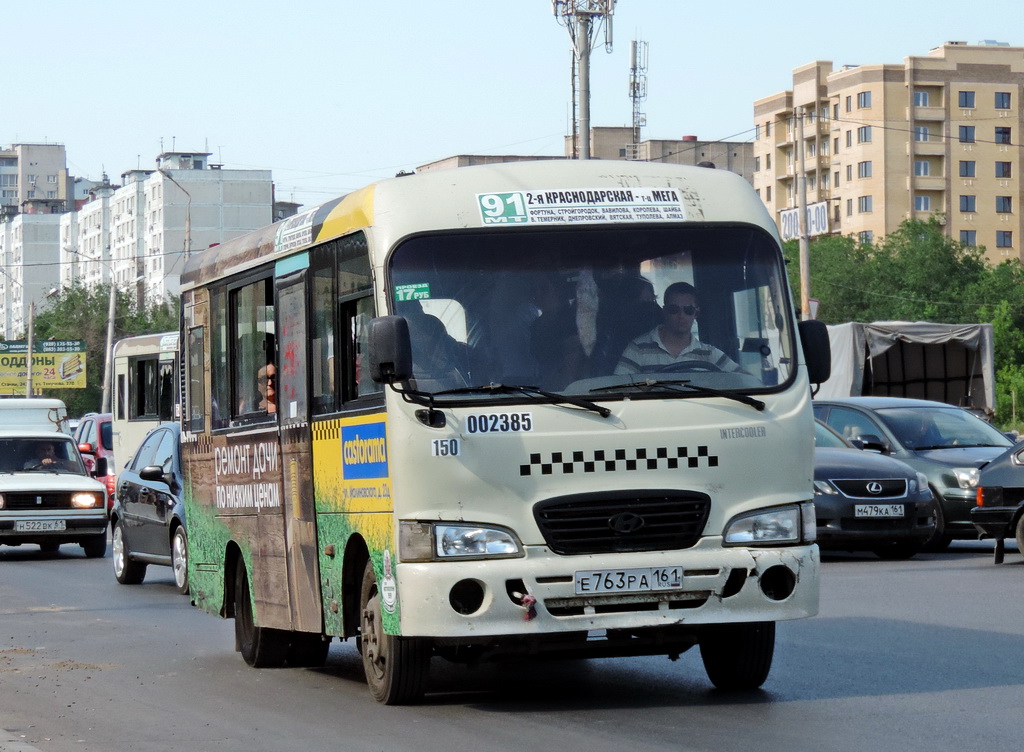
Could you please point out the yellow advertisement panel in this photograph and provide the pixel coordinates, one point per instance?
(55, 365)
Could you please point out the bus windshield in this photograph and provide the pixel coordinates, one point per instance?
(597, 313)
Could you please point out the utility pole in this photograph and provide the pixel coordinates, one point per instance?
(801, 189)
(30, 346)
(584, 19)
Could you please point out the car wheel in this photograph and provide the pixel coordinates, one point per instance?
(738, 656)
(49, 547)
(898, 550)
(939, 539)
(95, 547)
(179, 559)
(126, 571)
(261, 647)
(396, 667)
(1020, 535)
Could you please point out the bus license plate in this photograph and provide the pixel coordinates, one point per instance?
(878, 510)
(38, 526)
(629, 580)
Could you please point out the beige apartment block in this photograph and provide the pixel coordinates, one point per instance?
(939, 135)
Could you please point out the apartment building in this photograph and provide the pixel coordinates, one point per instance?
(29, 257)
(938, 134)
(30, 172)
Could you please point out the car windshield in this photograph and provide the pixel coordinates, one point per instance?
(826, 437)
(599, 314)
(940, 428)
(40, 455)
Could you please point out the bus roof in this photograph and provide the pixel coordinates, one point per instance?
(144, 344)
(454, 199)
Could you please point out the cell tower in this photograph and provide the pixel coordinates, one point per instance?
(584, 19)
(637, 93)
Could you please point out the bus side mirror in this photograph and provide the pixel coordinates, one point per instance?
(817, 350)
(390, 350)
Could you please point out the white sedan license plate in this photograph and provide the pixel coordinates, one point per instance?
(39, 526)
(629, 580)
(878, 510)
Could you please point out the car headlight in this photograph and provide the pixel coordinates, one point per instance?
(86, 500)
(439, 541)
(775, 526)
(1, 501)
(966, 477)
(922, 483)
(824, 488)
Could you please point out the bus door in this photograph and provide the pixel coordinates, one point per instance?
(296, 457)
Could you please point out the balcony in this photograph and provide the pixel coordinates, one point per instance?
(927, 183)
(928, 113)
(933, 148)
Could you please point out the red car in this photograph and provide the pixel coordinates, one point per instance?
(95, 439)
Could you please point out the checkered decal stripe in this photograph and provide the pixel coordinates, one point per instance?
(602, 461)
(325, 430)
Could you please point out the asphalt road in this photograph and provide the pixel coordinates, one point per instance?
(926, 654)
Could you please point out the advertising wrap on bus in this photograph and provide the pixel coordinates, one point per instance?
(533, 409)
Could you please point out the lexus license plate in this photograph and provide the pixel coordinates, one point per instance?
(878, 510)
(640, 580)
(39, 526)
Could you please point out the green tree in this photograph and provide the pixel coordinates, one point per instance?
(80, 313)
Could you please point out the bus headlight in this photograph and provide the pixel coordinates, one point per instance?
(438, 541)
(775, 526)
(86, 500)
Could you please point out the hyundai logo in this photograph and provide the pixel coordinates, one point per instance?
(874, 487)
(626, 523)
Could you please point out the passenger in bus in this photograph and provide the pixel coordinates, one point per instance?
(435, 353)
(628, 308)
(266, 385)
(554, 338)
(673, 342)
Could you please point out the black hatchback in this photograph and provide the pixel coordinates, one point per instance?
(148, 518)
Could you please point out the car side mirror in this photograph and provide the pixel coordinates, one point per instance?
(153, 473)
(86, 448)
(871, 443)
(100, 468)
(817, 350)
(390, 350)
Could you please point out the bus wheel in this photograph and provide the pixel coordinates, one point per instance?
(738, 656)
(260, 647)
(396, 667)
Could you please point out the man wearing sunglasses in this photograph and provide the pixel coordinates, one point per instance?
(673, 340)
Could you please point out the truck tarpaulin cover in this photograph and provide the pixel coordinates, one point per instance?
(950, 363)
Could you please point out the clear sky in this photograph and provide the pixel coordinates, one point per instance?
(333, 94)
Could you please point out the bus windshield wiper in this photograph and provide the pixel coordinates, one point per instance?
(683, 386)
(532, 391)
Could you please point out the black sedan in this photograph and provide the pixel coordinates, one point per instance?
(865, 501)
(148, 518)
(1000, 510)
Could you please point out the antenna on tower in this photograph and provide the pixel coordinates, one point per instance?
(637, 92)
(584, 20)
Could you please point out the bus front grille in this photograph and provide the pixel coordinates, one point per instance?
(614, 522)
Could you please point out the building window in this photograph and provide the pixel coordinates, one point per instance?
(849, 139)
(922, 203)
(1002, 135)
(767, 161)
(863, 100)
(825, 180)
(922, 168)
(835, 112)
(1004, 239)
(864, 204)
(757, 164)
(967, 168)
(920, 98)
(1004, 204)
(969, 237)
(835, 145)
(864, 169)
(967, 134)
(849, 173)
(51, 178)
(968, 204)
(967, 99)
(864, 134)
(768, 193)
(1002, 100)
(1004, 169)
(849, 104)
(836, 177)
(768, 129)
(849, 207)
(921, 133)
(865, 237)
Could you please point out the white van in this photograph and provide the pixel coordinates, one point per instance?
(35, 413)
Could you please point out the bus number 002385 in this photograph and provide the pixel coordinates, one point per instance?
(499, 423)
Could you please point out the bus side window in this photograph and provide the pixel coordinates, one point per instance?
(356, 316)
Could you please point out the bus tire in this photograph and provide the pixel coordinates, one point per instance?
(261, 647)
(738, 656)
(126, 571)
(396, 667)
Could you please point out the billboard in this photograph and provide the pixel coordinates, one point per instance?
(56, 364)
(817, 221)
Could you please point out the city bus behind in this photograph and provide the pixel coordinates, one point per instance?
(538, 409)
